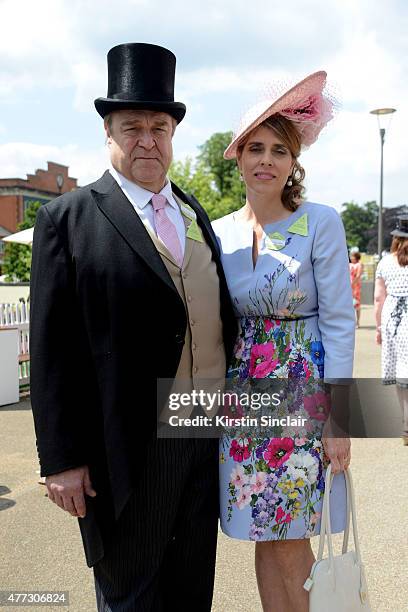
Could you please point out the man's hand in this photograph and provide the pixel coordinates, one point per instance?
(67, 490)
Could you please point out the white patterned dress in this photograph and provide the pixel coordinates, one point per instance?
(296, 317)
(394, 322)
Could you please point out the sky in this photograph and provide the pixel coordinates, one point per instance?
(53, 66)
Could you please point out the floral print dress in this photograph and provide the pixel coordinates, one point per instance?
(297, 324)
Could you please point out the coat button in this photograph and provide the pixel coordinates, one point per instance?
(179, 339)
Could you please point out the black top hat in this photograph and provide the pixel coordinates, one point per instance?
(141, 76)
(402, 227)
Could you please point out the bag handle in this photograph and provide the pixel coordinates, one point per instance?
(325, 528)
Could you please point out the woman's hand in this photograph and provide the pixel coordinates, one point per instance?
(378, 337)
(338, 450)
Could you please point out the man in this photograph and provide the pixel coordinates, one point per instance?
(127, 288)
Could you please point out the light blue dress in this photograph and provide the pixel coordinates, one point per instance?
(297, 322)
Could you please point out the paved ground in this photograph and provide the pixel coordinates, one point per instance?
(40, 547)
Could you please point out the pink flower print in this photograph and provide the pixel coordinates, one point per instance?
(317, 406)
(278, 451)
(239, 451)
(244, 498)
(280, 514)
(300, 441)
(258, 482)
(306, 369)
(262, 360)
(287, 349)
(238, 477)
(314, 518)
(268, 325)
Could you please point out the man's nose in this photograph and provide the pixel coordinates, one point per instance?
(146, 140)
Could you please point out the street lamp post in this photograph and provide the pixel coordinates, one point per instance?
(381, 112)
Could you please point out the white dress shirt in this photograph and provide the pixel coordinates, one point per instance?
(140, 199)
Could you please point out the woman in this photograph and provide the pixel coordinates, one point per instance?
(286, 265)
(391, 306)
(356, 273)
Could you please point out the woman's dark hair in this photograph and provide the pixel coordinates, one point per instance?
(399, 246)
(286, 130)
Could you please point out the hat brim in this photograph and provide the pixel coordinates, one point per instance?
(399, 233)
(104, 106)
(295, 94)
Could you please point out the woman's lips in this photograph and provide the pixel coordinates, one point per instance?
(264, 176)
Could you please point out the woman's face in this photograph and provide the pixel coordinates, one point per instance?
(265, 162)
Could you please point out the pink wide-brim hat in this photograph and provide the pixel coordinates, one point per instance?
(306, 104)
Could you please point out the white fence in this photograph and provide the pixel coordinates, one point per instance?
(17, 316)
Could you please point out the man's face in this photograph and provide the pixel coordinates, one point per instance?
(140, 146)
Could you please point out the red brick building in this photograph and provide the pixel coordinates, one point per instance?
(17, 194)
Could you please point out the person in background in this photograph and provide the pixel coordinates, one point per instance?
(356, 273)
(391, 316)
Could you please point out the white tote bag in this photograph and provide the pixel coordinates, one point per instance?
(338, 583)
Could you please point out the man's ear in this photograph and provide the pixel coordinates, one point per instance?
(108, 139)
(108, 131)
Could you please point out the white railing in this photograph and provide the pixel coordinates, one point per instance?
(18, 316)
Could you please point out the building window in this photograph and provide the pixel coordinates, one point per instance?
(28, 200)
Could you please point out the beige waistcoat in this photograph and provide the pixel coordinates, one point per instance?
(202, 363)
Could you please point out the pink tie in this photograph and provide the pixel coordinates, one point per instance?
(165, 228)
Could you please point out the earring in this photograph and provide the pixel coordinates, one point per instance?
(241, 178)
(289, 182)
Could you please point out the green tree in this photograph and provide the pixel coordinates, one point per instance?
(224, 171)
(196, 179)
(360, 223)
(199, 180)
(17, 257)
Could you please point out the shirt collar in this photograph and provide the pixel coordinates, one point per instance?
(138, 195)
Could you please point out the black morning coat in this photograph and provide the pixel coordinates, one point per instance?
(106, 322)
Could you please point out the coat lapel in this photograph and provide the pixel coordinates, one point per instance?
(113, 203)
(202, 220)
